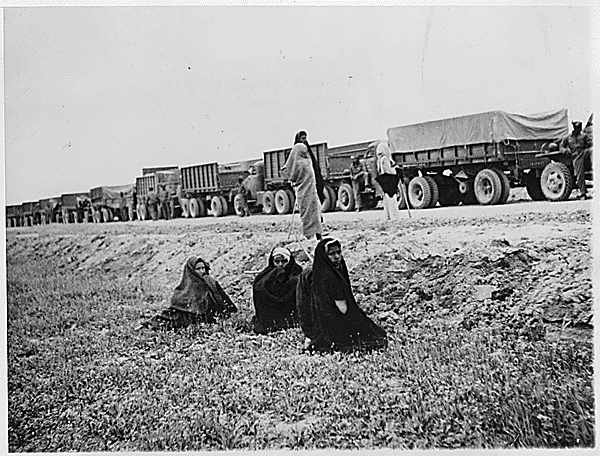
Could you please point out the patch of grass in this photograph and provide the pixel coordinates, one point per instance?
(80, 378)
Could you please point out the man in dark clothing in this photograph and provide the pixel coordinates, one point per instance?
(242, 191)
(123, 207)
(163, 199)
(357, 174)
(579, 145)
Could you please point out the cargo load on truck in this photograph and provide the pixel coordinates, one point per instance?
(474, 158)
(108, 200)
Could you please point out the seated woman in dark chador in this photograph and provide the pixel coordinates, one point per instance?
(328, 313)
(197, 299)
(274, 293)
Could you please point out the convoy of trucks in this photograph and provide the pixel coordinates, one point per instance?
(462, 160)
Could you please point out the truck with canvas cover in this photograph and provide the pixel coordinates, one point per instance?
(278, 196)
(169, 177)
(474, 158)
(14, 215)
(72, 206)
(31, 213)
(208, 188)
(109, 202)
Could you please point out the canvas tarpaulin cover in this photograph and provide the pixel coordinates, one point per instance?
(487, 127)
(112, 195)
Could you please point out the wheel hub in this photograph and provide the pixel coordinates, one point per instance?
(555, 182)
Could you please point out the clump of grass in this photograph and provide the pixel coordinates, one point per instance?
(80, 378)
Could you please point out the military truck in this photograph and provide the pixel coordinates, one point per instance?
(169, 176)
(48, 209)
(475, 158)
(72, 207)
(107, 200)
(208, 188)
(14, 215)
(30, 213)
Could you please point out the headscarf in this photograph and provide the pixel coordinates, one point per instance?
(200, 295)
(321, 320)
(315, 165)
(274, 293)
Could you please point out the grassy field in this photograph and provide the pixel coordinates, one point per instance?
(82, 378)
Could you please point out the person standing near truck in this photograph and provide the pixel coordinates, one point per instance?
(357, 174)
(123, 207)
(388, 179)
(243, 199)
(151, 203)
(578, 144)
(302, 137)
(163, 199)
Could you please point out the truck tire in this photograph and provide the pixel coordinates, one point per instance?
(331, 199)
(216, 206)
(435, 191)
(533, 186)
(194, 207)
(226, 206)
(282, 202)
(505, 186)
(269, 203)
(237, 205)
(487, 187)
(557, 181)
(292, 198)
(185, 207)
(346, 198)
(419, 193)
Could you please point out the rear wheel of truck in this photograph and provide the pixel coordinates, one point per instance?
(557, 182)
(185, 207)
(533, 186)
(292, 198)
(505, 186)
(331, 199)
(346, 198)
(226, 206)
(435, 191)
(487, 187)
(195, 208)
(216, 206)
(269, 203)
(419, 193)
(282, 202)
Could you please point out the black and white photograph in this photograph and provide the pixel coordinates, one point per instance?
(299, 226)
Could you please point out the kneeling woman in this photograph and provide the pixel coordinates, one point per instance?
(328, 313)
(274, 293)
(197, 299)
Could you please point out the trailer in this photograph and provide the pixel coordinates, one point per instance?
(72, 207)
(48, 210)
(153, 178)
(475, 158)
(14, 215)
(208, 188)
(112, 201)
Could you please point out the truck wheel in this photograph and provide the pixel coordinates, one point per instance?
(237, 205)
(226, 205)
(534, 186)
(419, 193)
(292, 198)
(557, 181)
(435, 191)
(269, 203)
(346, 198)
(193, 208)
(282, 202)
(487, 187)
(216, 206)
(505, 186)
(331, 199)
(185, 207)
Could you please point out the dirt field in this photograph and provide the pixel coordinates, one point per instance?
(518, 272)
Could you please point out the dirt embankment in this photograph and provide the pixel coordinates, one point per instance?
(528, 270)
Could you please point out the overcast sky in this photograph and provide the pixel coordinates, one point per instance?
(93, 95)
